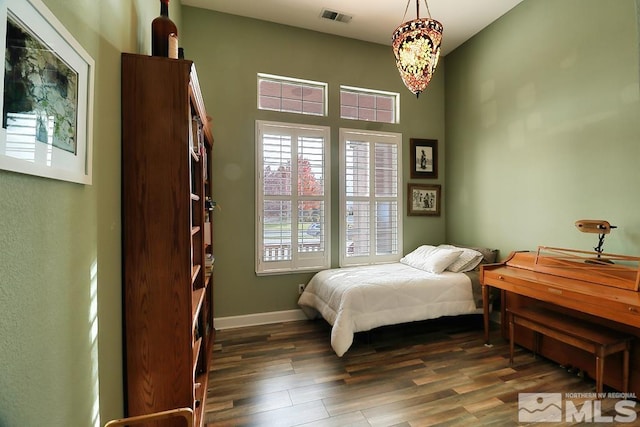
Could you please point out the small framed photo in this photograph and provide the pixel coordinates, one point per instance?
(47, 95)
(423, 199)
(424, 158)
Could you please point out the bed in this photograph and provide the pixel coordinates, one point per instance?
(428, 283)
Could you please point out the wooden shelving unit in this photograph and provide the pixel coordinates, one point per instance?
(167, 288)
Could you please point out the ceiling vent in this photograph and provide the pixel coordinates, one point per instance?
(332, 15)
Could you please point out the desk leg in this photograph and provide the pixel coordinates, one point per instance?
(599, 372)
(511, 339)
(485, 306)
(625, 369)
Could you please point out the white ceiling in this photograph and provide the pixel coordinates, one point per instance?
(372, 20)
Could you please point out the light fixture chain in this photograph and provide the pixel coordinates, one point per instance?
(405, 10)
(428, 12)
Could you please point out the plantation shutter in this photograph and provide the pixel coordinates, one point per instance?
(371, 198)
(292, 198)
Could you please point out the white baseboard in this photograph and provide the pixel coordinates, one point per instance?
(258, 319)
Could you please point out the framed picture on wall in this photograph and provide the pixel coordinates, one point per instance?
(424, 158)
(47, 96)
(423, 199)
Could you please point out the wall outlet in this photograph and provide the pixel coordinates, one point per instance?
(301, 288)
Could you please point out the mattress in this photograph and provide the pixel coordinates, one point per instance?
(356, 299)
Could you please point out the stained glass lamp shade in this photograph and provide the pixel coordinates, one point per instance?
(416, 46)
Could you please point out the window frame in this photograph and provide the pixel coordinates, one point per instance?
(301, 261)
(372, 258)
(395, 96)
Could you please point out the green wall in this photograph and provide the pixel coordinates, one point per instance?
(542, 128)
(229, 51)
(60, 274)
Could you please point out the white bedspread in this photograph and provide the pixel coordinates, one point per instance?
(356, 299)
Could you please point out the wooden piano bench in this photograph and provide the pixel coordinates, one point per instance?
(595, 339)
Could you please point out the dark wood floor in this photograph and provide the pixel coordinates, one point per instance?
(420, 374)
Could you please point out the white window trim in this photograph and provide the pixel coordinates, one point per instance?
(373, 136)
(312, 261)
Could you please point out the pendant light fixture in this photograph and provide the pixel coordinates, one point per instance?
(416, 46)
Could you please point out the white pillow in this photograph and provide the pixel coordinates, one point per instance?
(467, 261)
(431, 259)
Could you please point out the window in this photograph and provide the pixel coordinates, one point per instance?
(370, 197)
(370, 105)
(291, 95)
(293, 198)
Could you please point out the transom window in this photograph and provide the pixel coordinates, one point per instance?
(291, 95)
(370, 105)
